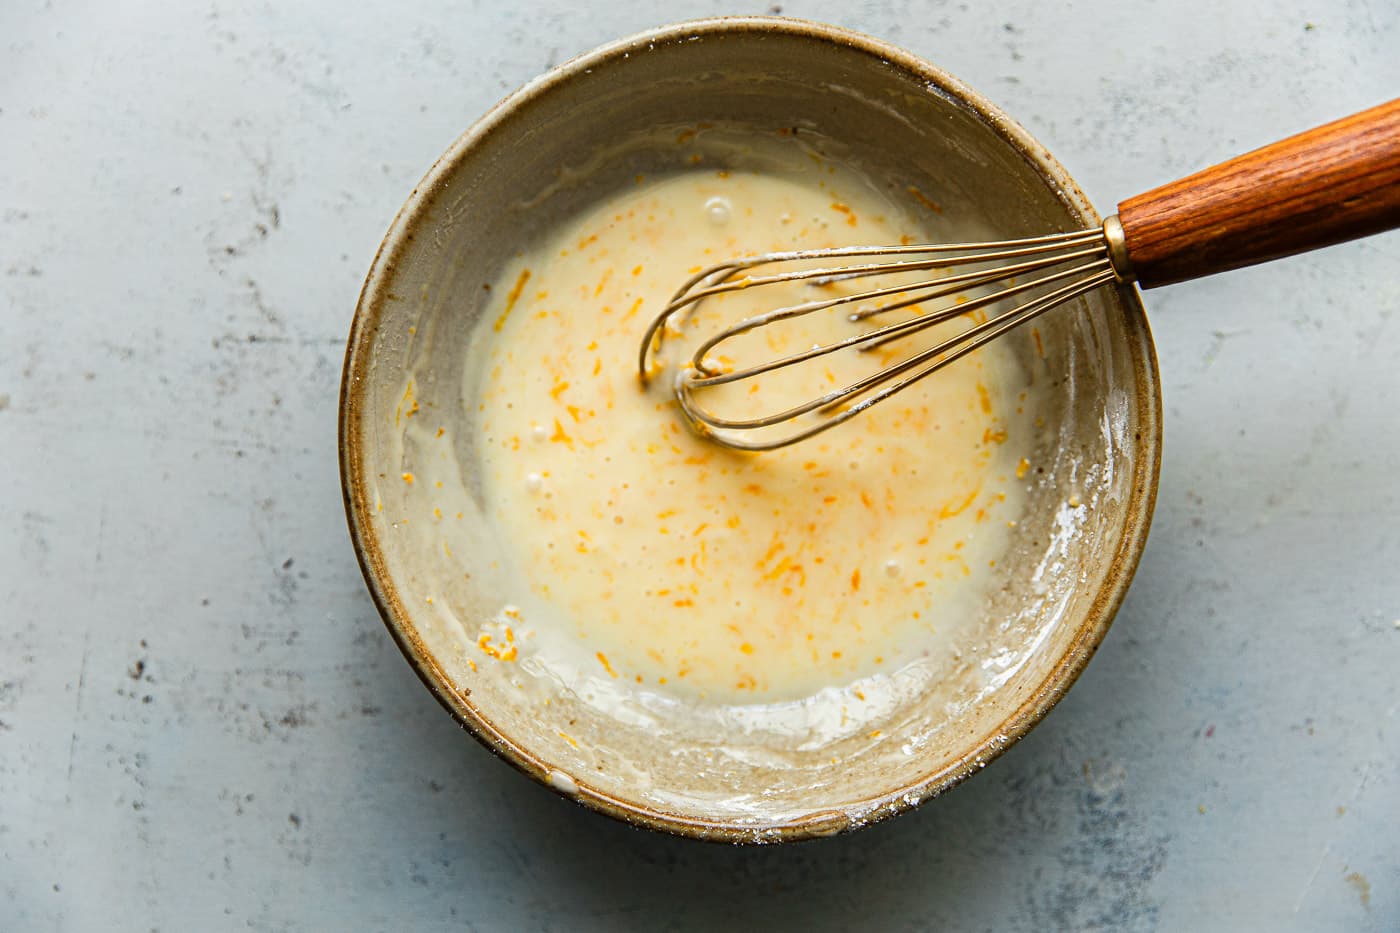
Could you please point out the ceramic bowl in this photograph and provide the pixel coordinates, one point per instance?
(529, 162)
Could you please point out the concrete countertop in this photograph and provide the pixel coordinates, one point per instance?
(203, 724)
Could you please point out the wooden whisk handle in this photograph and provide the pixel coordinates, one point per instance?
(1327, 185)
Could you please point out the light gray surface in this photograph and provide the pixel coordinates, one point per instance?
(203, 724)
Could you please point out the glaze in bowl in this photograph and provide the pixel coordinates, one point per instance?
(547, 151)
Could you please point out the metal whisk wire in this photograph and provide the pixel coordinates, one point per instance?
(1323, 186)
(1081, 257)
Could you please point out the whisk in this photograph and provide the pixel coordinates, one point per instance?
(1324, 186)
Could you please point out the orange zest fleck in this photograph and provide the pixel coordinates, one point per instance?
(512, 298)
(949, 509)
(855, 580)
(925, 200)
(845, 209)
(559, 437)
(773, 549)
(408, 478)
(603, 660)
(784, 567)
(407, 397)
(506, 652)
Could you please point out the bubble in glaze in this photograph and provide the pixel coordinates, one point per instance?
(719, 210)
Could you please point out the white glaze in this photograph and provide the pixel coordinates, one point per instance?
(654, 559)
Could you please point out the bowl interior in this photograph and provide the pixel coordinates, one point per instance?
(559, 145)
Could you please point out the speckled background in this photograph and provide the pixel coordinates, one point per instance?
(204, 726)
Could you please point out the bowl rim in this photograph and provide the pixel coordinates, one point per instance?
(1091, 629)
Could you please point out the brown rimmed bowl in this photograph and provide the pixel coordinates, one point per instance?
(530, 161)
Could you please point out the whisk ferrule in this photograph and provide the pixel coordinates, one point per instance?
(1117, 243)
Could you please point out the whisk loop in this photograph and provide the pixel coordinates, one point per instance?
(1023, 278)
